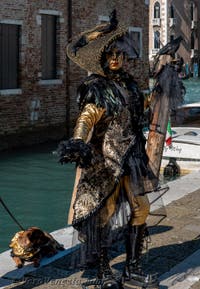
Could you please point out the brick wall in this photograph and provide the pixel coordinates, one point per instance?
(18, 123)
(55, 104)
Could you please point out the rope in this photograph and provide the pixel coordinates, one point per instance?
(11, 215)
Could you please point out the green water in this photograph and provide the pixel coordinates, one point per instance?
(192, 90)
(36, 189)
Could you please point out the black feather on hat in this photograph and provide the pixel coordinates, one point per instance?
(87, 49)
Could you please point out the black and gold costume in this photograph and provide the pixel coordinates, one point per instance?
(113, 109)
(111, 191)
(108, 146)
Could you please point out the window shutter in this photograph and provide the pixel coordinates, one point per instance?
(49, 46)
(9, 56)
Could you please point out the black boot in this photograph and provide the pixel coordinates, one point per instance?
(133, 274)
(105, 273)
(104, 269)
(105, 278)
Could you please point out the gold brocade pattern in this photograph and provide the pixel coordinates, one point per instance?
(95, 184)
(100, 180)
(118, 149)
(118, 139)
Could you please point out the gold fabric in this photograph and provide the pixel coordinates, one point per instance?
(90, 115)
(139, 205)
(20, 251)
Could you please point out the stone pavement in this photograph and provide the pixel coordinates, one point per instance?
(174, 251)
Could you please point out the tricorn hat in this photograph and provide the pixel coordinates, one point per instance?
(87, 49)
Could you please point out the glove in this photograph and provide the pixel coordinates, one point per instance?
(75, 150)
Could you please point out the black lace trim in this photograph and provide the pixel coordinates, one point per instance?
(169, 85)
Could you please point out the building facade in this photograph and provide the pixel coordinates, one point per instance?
(33, 98)
(37, 81)
(170, 18)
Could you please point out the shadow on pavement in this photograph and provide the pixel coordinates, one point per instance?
(156, 260)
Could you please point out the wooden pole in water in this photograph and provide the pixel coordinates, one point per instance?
(157, 131)
(167, 94)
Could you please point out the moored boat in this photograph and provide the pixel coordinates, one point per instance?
(187, 115)
(185, 148)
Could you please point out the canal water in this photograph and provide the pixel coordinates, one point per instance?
(37, 189)
(192, 90)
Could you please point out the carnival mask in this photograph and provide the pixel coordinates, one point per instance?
(115, 59)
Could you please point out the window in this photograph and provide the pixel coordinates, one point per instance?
(192, 40)
(9, 56)
(157, 10)
(49, 53)
(135, 34)
(171, 11)
(157, 40)
(192, 11)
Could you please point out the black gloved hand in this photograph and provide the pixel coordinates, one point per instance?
(75, 150)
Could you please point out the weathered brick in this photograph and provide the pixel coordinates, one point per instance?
(58, 108)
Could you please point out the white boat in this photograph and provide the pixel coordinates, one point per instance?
(185, 148)
(187, 115)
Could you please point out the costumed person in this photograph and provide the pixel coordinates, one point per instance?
(114, 173)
